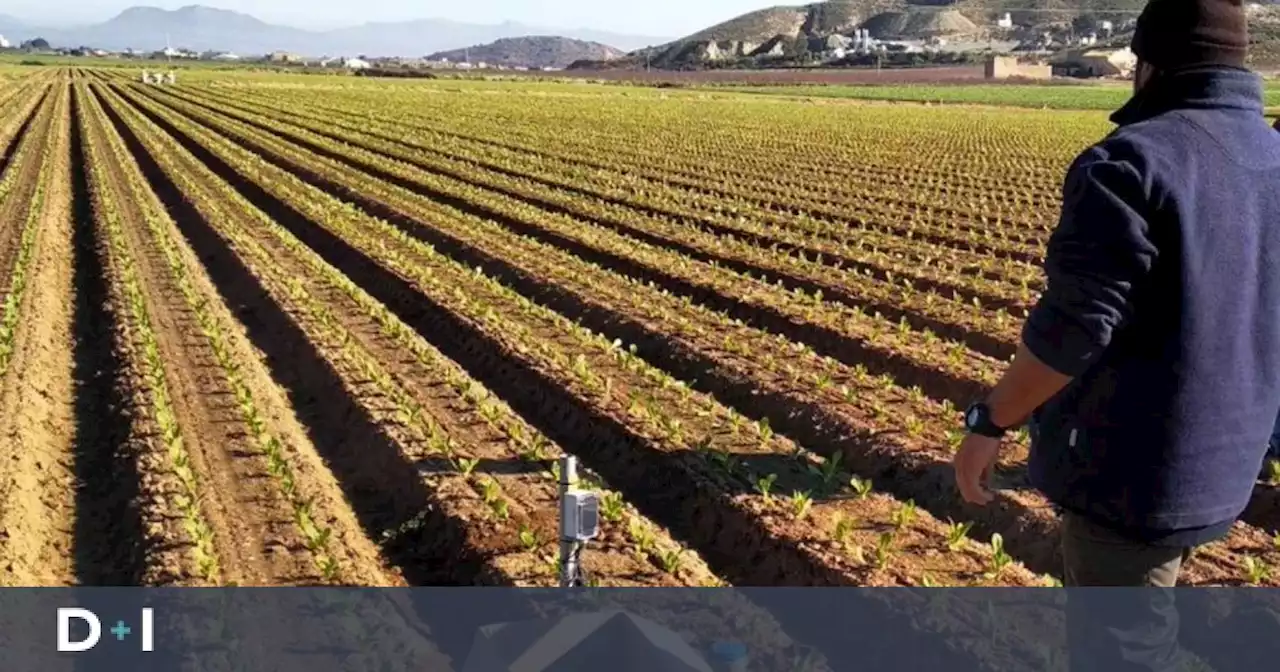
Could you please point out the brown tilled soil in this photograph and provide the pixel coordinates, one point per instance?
(1026, 520)
(86, 491)
(745, 541)
(256, 539)
(530, 494)
(126, 532)
(36, 506)
(359, 559)
(611, 561)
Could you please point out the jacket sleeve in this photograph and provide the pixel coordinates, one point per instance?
(1100, 250)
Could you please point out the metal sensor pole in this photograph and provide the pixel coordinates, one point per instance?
(568, 544)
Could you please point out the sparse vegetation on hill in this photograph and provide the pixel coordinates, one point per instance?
(818, 19)
(919, 24)
(802, 35)
(535, 51)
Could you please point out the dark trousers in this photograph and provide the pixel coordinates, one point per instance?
(1132, 624)
(1096, 556)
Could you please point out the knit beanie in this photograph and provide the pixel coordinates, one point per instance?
(1179, 34)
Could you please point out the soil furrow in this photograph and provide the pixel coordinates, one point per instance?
(598, 557)
(36, 502)
(391, 498)
(255, 537)
(955, 219)
(126, 529)
(870, 297)
(1026, 520)
(109, 537)
(836, 255)
(905, 368)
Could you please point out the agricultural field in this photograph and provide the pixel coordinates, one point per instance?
(1060, 95)
(275, 330)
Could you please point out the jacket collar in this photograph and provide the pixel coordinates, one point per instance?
(1207, 88)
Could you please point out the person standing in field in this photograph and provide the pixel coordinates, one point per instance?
(1149, 370)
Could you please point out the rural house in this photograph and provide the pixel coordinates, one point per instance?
(1095, 63)
(1006, 67)
(283, 57)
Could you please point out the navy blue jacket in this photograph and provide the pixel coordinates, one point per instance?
(1163, 301)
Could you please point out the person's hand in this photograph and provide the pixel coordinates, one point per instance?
(973, 464)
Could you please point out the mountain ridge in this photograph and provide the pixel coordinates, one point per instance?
(202, 28)
(805, 34)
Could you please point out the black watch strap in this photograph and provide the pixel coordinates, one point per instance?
(977, 420)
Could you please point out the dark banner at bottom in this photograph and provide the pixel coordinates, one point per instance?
(704, 630)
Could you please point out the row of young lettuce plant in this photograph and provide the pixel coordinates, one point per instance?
(140, 332)
(365, 186)
(867, 249)
(579, 367)
(437, 435)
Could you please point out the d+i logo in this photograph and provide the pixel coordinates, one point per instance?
(120, 630)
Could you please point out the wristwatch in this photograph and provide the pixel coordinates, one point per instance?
(977, 420)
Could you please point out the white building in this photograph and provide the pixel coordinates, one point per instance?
(862, 40)
(1005, 21)
(355, 64)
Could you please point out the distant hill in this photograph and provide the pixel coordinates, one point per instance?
(793, 34)
(787, 31)
(533, 51)
(202, 28)
(818, 19)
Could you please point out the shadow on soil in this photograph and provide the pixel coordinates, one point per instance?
(920, 476)
(825, 341)
(720, 532)
(1264, 509)
(510, 467)
(1031, 537)
(7, 153)
(108, 528)
(603, 442)
(620, 458)
(384, 487)
(981, 342)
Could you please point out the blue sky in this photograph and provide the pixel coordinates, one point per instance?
(662, 18)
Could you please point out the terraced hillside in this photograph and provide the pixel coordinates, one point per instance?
(301, 331)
